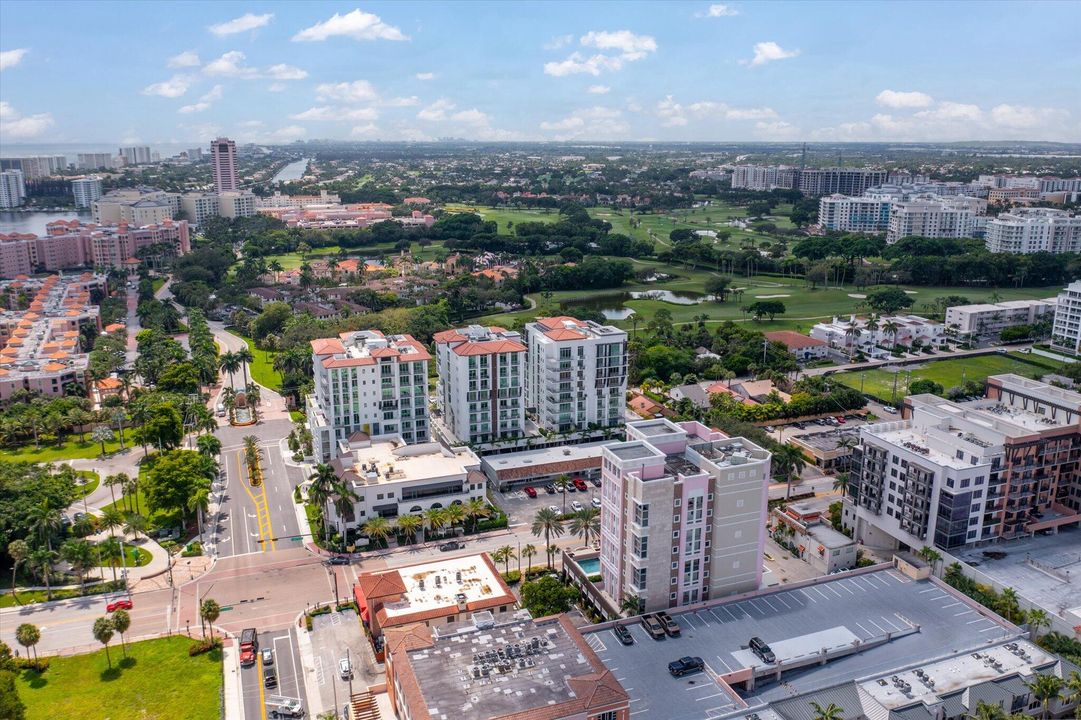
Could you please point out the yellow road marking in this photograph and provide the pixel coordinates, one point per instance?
(262, 512)
(259, 679)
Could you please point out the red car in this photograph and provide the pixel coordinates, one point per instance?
(531, 491)
(580, 484)
(118, 605)
(840, 419)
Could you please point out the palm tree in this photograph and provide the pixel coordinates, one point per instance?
(80, 555)
(504, 555)
(528, 552)
(28, 636)
(845, 443)
(45, 522)
(1008, 603)
(244, 356)
(547, 523)
(118, 416)
(102, 434)
(103, 633)
(456, 514)
(121, 622)
(932, 556)
(208, 445)
(344, 499)
(18, 551)
(199, 503)
(1073, 684)
(477, 508)
(562, 483)
(586, 524)
(1045, 688)
(254, 397)
(275, 267)
(41, 562)
(830, 712)
(408, 525)
(208, 613)
(135, 524)
(436, 518)
(112, 481)
(319, 491)
(110, 552)
(987, 711)
(841, 483)
(111, 518)
(230, 363)
(377, 528)
(852, 336)
(891, 328)
(1037, 618)
(789, 462)
(631, 605)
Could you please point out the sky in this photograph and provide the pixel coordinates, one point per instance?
(275, 72)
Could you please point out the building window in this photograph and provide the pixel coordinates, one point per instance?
(640, 578)
(641, 515)
(610, 715)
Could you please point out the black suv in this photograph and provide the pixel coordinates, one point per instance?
(761, 649)
(685, 666)
(623, 634)
(653, 627)
(270, 677)
(452, 545)
(668, 623)
(338, 560)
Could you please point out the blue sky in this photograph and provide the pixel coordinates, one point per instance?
(275, 72)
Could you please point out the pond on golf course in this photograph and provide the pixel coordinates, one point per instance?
(612, 306)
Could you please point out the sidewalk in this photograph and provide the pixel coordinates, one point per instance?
(233, 695)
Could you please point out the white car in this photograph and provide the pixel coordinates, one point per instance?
(890, 410)
(576, 506)
(555, 509)
(345, 670)
(595, 502)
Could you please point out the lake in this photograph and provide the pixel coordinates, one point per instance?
(35, 222)
(612, 306)
(292, 171)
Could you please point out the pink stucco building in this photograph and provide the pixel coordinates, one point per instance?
(683, 514)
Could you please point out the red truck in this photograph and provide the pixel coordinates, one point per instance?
(249, 645)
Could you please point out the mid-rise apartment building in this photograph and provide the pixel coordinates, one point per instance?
(1030, 230)
(481, 389)
(138, 155)
(278, 200)
(844, 213)
(391, 478)
(12, 189)
(223, 160)
(846, 181)
(683, 514)
(199, 207)
(234, 204)
(34, 168)
(934, 217)
(953, 474)
(990, 319)
(1066, 332)
(860, 334)
(86, 190)
(576, 373)
(70, 244)
(764, 177)
(41, 348)
(95, 161)
(135, 206)
(369, 383)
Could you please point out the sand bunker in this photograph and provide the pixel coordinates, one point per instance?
(858, 296)
(770, 297)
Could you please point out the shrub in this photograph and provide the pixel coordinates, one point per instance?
(594, 578)
(194, 549)
(39, 665)
(205, 646)
(513, 577)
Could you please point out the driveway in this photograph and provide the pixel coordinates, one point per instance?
(521, 508)
(335, 636)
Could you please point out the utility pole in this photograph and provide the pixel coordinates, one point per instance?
(765, 346)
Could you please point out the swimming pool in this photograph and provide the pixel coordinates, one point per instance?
(591, 566)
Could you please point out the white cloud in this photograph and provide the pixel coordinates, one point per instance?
(11, 58)
(673, 114)
(719, 10)
(203, 132)
(14, 125)
(950, 111)
(437, 111)
(335, 114)
(174, 87)
(630, 48)
(251, 124)
(410, 101)
(903, 99)
(358, 25)
(277, 87)
(593, 123)
(241, 24)
(412, 134)
(598, 89)
(287, 134)
(230, 64)
(471, 116)
(204, 102)
(559, 42)
(776, 130)
(282, 71)
(765, 52)
(188, 58)
(1021, 117)
(365, 131)
(358, 91)
(759, 113)
(425, 76)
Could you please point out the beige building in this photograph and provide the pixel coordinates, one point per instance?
(135, 206)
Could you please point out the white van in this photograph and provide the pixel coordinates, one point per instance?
(220, 410)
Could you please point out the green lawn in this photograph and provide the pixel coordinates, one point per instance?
(37, 596)
(157, 681)
(72, 449)
(157, 519)
(92, 480)
(947, 373)
(262, 370)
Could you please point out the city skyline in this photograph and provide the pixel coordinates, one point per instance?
(694, 71)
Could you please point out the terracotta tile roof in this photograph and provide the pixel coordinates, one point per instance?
(564, 334)
(381, 584)
(793, 340)
(327, 346)
(557, 322)
(489, 347)
(347, 362)
(449, 336)
(109, 384)
(407, 637)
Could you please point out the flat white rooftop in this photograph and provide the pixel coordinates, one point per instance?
(389, 461)
(443, 584)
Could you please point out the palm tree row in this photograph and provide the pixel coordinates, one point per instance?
(253, 460)
(586, 524)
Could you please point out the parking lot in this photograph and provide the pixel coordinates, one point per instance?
(865, 606)
(335, 636)
(286, 666)
(521, 508)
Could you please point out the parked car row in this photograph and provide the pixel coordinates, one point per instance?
(660, 625)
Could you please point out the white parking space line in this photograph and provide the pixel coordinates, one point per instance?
(868, 582)
(963, 612)
(954, 604)
(869, 633)
(727, 667)
(807, 595)
(993, 627)
(898, 578)
(781, 600)
(872, 622)
(686, 618)
(930, 589)
(772, 606)
(892, 626)
(970, 622)
(843, 587)
(834, 591)
(710, 697)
